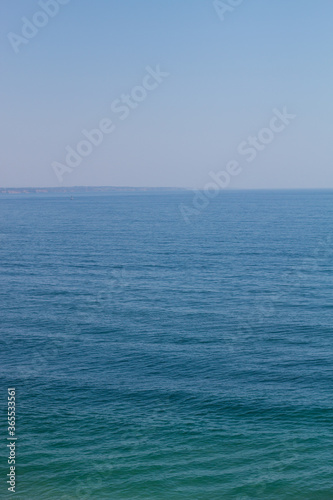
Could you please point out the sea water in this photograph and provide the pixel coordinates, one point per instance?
(162, 359)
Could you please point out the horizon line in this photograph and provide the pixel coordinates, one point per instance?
(170, 188)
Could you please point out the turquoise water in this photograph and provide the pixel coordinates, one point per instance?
(155, 359)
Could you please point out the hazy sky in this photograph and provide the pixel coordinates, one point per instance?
(187, 89)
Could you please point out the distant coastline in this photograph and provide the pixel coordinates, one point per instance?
(82, 189)
(127, 189)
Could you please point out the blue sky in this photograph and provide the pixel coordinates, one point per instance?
(225, 77)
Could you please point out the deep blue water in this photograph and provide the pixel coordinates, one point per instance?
(155, 359)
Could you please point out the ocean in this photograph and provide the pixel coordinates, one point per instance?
(155, 358)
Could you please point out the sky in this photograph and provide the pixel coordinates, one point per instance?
(163, 93)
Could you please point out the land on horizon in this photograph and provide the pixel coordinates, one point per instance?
(106, 189)
(81, 189)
